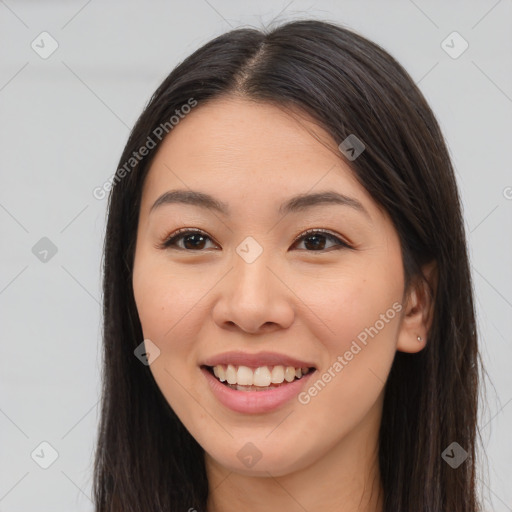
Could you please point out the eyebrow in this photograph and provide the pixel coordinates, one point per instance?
(296, 203)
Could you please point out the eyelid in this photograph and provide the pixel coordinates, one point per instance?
(183, 231)
(165, 244)
(326, 232)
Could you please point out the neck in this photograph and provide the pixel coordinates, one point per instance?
(344, 479)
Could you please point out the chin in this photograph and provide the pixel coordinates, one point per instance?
(267, 461)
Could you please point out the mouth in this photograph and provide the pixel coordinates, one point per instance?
(261, 378)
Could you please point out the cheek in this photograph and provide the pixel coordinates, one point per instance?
(346, 306)
(164, 299)
(359, 318)
(168, 304)
(152, 299)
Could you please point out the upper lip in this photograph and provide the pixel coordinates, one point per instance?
(238, 358)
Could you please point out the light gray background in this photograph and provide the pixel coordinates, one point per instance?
(64, 122)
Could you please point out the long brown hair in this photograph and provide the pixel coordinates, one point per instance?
(146, 460)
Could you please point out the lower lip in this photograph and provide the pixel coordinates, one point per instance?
(254, 402)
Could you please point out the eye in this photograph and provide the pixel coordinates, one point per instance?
(193, 240)
(315, 239)
(196, 240)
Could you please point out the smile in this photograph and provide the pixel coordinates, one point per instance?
(249, 390)
(262, 378)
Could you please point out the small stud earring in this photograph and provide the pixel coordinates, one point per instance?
(420, 338)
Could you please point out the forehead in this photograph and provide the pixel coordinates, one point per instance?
(236, 127)
(250, 151)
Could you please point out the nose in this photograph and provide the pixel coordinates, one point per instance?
(253, 297)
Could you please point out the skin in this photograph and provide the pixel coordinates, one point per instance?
(293, 299)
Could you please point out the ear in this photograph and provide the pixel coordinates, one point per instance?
(418, 311)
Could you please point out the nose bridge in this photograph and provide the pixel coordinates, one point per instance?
(252, 296)
(251, 280)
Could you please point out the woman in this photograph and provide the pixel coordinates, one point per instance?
(288, 310)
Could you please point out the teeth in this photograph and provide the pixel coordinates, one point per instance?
(262, 376)
(244, 376)
(289, 373)
(221, 373)
(277, 375)
(231, 374)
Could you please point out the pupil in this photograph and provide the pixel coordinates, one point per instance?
(318, 241)
(194, 245)
(317, 244)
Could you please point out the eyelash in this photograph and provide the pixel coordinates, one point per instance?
(170, 240)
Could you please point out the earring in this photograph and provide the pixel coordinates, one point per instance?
(419, 338)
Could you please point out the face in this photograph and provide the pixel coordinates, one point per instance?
(263, 283)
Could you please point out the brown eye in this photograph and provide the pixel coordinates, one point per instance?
(195, 240)
(316, 240)
(192, 240)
